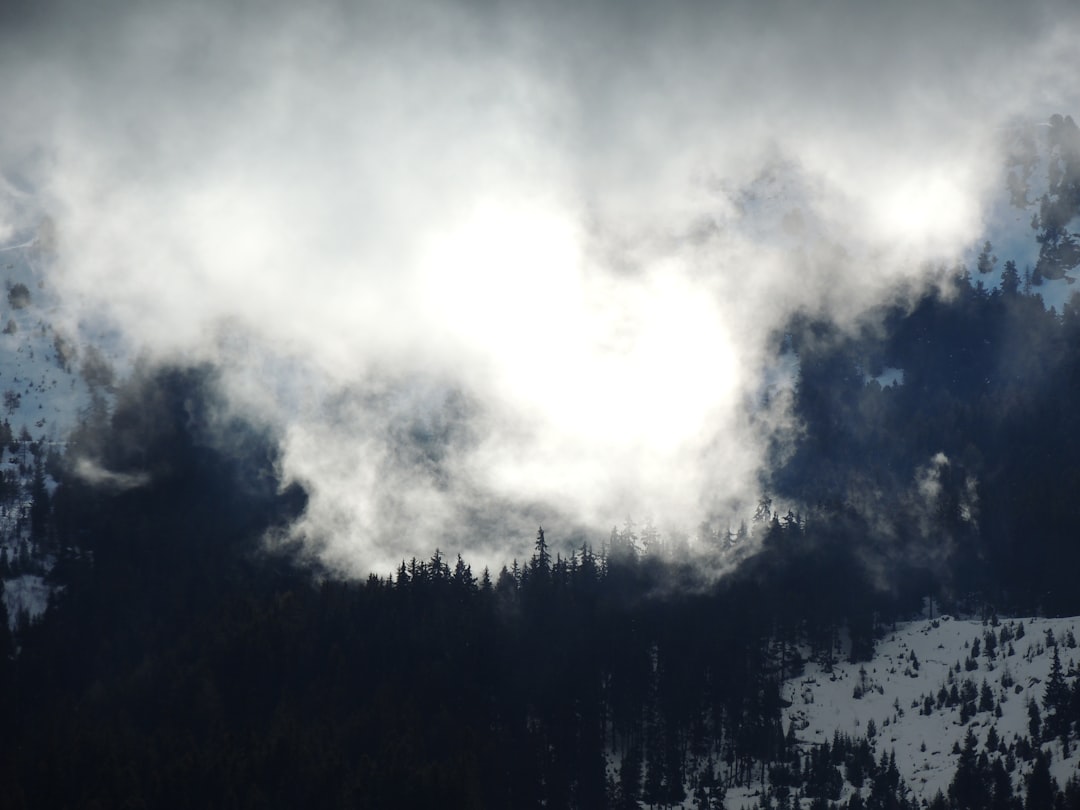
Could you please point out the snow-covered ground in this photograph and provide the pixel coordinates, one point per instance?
(889, 376)
(28, 593)
(913, 663)
(41, 388)
(48, 379)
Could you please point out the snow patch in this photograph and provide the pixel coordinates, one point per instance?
(28, 593)
(889, 376)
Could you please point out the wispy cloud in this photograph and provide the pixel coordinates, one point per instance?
(96, 475)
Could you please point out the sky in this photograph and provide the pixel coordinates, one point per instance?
(481, 265)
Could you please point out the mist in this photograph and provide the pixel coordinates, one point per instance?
(483, 265)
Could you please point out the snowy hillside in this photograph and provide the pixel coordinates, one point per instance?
(930, 684)
(48, 380)
(40, 381)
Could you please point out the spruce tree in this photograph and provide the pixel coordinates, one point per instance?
(1056, 699)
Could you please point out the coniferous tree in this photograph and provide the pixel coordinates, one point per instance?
(1035, 726)
(1010, 279)
(1001, 787)
(1056, 700)
(1040, 784)
(970, 788)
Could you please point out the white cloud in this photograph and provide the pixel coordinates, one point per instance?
(539, 212)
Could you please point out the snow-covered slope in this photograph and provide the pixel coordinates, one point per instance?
(48, 380)
(910, 699)
(41, 385)
(1040, 168)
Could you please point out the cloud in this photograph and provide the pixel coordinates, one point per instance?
(480, 263)
(96, 475)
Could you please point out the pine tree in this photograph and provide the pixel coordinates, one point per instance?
(970, 788)
(1056, 699)
(1040, 785)
(986, 260)
(542, 559)
(1010, 279)
(1034, 720)
(1001, 788)
(463, 577)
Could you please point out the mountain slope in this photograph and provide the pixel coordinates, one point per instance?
(900, 700)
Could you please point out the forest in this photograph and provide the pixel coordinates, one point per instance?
(182, 663)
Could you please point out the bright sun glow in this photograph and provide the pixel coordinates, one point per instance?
(637, 362)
